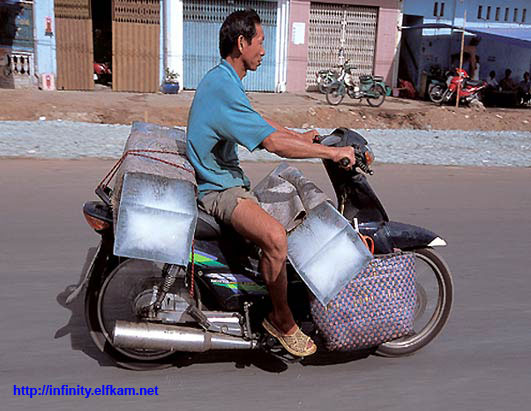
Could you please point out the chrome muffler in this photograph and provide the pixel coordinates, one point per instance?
(153, 336)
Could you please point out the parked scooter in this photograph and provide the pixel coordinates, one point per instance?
(142, 313)
(370, 87)
(469, 89)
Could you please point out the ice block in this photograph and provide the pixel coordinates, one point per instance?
(326, 252)
(154, 202)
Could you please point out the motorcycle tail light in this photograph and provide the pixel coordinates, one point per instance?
(96, 223)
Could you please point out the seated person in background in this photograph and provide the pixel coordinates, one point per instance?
(524, 88)
(475, 74)
(507, 84)
(492, 83)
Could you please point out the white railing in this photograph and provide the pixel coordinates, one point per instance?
(22, 64)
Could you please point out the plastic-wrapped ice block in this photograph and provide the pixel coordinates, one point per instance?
(156, 219)
(326, 252)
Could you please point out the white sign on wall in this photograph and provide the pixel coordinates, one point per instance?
(298, 32)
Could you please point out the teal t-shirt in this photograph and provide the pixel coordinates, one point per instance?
(220, 118)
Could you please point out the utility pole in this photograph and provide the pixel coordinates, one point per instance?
(460, 63)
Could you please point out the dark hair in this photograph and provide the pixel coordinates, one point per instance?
(492, 73)
(239, 23)
(508, 72)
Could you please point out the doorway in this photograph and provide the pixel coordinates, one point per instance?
(102, 39)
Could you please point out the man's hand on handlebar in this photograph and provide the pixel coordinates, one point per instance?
(344, 153)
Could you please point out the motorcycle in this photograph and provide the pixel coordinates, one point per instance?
(143, 313)
(371, 87)
(102, 73)
(469, 89)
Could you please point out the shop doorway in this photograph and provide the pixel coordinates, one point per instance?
(102, 39)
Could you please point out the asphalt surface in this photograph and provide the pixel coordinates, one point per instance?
(479, 362)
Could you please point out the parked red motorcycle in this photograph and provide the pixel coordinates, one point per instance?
(102, 73)
(469, 89)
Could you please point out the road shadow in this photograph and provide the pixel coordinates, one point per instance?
(76, 327)
(81, 340)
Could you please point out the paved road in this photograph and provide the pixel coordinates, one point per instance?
(480, 362)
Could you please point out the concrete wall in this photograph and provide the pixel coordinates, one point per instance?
(386, 39)
(298, 53)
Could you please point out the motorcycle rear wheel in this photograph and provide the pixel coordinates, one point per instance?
(101, 313)
(378, 90)
(429, 321)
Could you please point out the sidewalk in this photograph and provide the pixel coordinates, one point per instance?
(304, 110)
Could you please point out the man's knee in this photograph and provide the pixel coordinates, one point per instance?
(276, 242)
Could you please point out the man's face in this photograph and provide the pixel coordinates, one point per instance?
(253, 52)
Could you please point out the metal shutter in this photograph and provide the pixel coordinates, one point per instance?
(136, 45)
(333, 26)
(202, 21)
(73, 26)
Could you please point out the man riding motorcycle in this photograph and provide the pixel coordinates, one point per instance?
(221, 117)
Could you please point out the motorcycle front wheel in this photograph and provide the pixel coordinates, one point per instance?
(436, 93)
(379, 92)
(434, 301)
(334, 96)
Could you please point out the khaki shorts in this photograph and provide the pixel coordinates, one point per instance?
(221, 204)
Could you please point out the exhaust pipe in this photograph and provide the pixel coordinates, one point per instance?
(152, 336)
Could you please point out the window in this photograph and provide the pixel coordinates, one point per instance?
(524, 12)
(488, 13)
(435, 9)
(480, 11)
(442, 9)
(497, 17)
(515, 16)
(506, 14)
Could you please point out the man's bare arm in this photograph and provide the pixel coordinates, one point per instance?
(307, 136)
(280, 144)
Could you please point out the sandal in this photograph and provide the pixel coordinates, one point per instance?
(296, 343)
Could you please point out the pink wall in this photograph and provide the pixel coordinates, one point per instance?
(298, 54)
(385, 39)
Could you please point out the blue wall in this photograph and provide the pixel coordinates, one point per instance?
(45, 50)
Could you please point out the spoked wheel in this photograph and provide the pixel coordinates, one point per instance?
(434, 301)
(335, 95)
(118, 299)
(378, 91)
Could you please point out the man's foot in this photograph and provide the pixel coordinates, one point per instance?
(295, 342)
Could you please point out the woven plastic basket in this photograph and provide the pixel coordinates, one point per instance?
(375, 307)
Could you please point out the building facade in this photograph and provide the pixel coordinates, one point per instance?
(142, 38)
(424, 48)
(17, 55)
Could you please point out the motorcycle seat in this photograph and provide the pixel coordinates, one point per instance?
(207, 227)
(474, 83)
